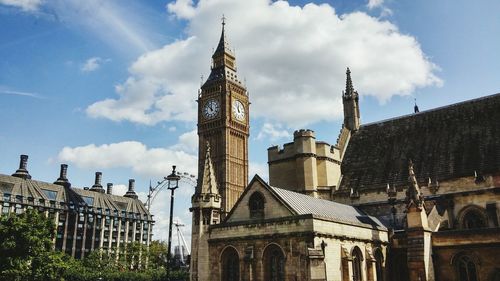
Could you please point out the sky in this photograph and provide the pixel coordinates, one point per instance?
(111, 86)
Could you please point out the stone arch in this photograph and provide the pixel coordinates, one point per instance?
(256, 204)
(357, 263)
(274, 260)
(229, 260)
(466, 266)
(379, 264)
(472, 216)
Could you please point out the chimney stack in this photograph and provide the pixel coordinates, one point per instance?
(131, 193)
(97, 185)
(22, 172)
(110, 189)
(63, 180)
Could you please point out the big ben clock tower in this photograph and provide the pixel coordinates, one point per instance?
(223, 123)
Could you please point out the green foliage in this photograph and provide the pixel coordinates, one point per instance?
(26, 254)
(26, 248)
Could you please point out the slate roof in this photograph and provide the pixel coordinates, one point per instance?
(303, 204)
(29, 188)
(443, 143)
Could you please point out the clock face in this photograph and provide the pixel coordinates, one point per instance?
(238, 110)
(211, 109)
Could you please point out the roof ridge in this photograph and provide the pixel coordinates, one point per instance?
(430, 110)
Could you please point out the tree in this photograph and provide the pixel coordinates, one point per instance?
(26, 248)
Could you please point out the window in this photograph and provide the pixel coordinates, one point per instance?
(256, 205)
(230, 265)
(473, 218)
(357, 259)
(465, 268)
(274, 263)
(52, 195)
(379, 265)
(88, 200)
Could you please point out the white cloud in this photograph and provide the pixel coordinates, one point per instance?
(374, 3)
(120, 189)
(93, 64)
(119, 26)
(182, 9)
(25, 5)
(294, 60)
(273, 132)
(19, 93)
(187, 142)
(129, 154)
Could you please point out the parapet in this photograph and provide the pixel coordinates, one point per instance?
(303, 133)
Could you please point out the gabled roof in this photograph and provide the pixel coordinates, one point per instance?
(443, 143)
(301, 204)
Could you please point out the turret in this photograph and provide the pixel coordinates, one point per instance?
(350, 99)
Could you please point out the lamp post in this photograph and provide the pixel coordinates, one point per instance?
(173, 184)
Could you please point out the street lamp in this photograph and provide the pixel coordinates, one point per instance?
(173, 184)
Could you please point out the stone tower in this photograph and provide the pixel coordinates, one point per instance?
(419, 235)
(223, 122)
(350, 100)
(206, 209)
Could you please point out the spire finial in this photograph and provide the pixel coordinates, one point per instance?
(349, 89)
(223, 21)
(415, 108)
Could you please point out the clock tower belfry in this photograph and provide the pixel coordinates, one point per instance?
(223, 122)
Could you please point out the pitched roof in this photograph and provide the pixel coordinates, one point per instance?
(443, 143)
(29, 188)
(302, 204)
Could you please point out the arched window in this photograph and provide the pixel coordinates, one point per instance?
(379, 265)
(473, 217)
(230, 265)
(274, 264)
(466, 268)
(357, 260)
(256, 205)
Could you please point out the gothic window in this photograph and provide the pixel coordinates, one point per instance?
(379, 265)
(357, 260)
(466, 268)
(256, 206)
(230, 265)
(274, 264)
(473, 218)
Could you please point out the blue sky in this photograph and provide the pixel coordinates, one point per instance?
(111, 86)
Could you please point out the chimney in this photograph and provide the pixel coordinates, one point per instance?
(109, 189)
(97, 185)
(131, 193)
(63, 180)
(22, 172)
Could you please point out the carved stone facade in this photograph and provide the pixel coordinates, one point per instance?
(447, 211)
(223, 122)
(410, 198)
